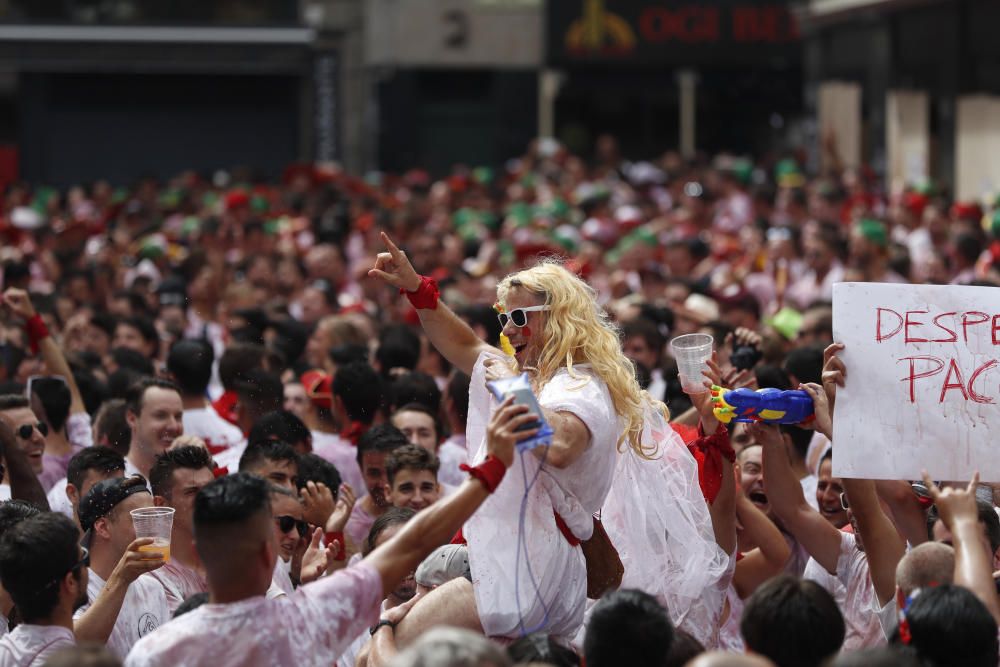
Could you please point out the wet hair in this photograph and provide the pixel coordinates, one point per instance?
(628, 627)
(313, 468)
(136, 394)
(260, 392)
(950, 626)
(540, 648)
(279, 425)
(410, 457)
(13, 402)
(237, 360)
(111, 422)
(359, 387)
(398, 347)
(191, 603)
(394, 516)
(14, 512)
(35, 555)
(424, 410)
(458, 393)
(161, 475)
(416, 387)
(812, 627)
(190, 362)
(100, 459)
(54, 395)
(267, 450)
(381, 438)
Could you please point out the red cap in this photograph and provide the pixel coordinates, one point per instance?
(966, 211)
(319, 388)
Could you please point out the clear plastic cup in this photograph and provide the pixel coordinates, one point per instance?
(154, 522)
(692, 351)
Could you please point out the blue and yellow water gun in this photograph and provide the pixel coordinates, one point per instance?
(771, 406)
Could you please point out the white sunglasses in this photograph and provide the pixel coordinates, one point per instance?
(519, 315)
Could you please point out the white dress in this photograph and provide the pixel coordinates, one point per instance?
(658, 519)
(539, 582)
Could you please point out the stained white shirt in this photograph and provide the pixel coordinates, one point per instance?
(851, 587)
(143, 610)
(179, 582)
(452, 454)
(214, 430)
(315, 625)
(344, 457)
(58, 500)
(31, 645)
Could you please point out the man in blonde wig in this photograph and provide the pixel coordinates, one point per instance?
(528, 571)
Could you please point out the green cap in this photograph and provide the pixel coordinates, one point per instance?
(787, 322)
(873, 230)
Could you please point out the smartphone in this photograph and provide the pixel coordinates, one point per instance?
(527, 397)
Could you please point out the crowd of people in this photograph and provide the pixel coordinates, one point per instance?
(305, 372)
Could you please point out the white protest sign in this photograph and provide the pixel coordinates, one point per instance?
(923, 381)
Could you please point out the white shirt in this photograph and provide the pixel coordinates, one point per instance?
(852, 588)
(131, 469)
(452, 453)
(809, 484)
(344, 457)
(231, 457)
(32, 645)
(282, 578)
(143, 610)
(5, 492)
(313, 626)
(58, 500)
(179, 582)
(888, 616)
(217, 433)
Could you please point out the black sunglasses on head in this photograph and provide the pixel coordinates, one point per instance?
(286, 523)
(25, 430)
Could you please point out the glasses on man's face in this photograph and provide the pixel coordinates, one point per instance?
(82, 563)
(519, 316)
(25, 430)
(287, 523)
(843, 502)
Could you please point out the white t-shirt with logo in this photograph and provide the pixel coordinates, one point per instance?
(143, 610)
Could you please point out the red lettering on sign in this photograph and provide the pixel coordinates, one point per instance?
(979, 398)
(913, 323)
(879, 336)
(913, 376)
(954, 336)
(968, 320)
(995, 329)
(960, 385)
(689, 24)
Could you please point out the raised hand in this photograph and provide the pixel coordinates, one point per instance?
(954, 505)
(834, 372)
(502, 433)
(317, 503)
(19, 303)
(394, 268)
(823, 421)
(316, 558)
(342, 510)
(135, 563)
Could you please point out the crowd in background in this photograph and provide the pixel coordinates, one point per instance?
(232, 316)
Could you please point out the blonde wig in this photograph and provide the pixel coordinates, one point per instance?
(578, 331)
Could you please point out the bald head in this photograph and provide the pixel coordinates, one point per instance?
(720, 659)
(929, 564)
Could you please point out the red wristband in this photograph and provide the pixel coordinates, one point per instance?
(36, 330)
(490, 472)
(426, 296)
(338, 536)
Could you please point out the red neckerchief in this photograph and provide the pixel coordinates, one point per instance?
(353, 432)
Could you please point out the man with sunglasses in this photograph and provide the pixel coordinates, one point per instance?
(125, 605)
(290, 528)
(44, 569)
(15, 411)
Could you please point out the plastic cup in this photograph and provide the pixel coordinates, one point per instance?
(154, 522)
(692, 351)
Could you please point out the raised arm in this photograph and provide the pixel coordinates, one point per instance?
(958, 511)
(436, 525)
(883, 545)
(20, 304)
(452, 337)
(784, 492)
(771, 554)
